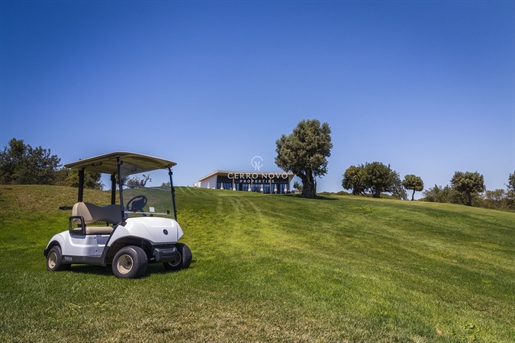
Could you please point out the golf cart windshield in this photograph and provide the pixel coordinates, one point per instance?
(120, 165)
(142, 202)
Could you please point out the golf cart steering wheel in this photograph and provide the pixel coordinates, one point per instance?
(137, 203)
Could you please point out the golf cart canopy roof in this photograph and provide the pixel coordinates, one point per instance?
(132, 163)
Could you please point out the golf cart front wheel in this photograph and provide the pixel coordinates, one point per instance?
(54, 260)
(183, 259)
(130, 262)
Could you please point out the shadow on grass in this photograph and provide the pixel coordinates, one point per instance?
(153, 268)
(158, 268)
(87, 269)
(323, 197)
(318, 197)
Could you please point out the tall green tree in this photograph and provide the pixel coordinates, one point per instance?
(414, 183)
(70, 178)
(496, 199)
(468, 184)
(511, 182)
(396, 188)
(354, 179)
(445, 194)
(135, 182)
(379, 178)
(304, 152)
(437, 194)
(511, 191)
(23, 164)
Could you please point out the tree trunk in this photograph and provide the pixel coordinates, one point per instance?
(309, 187)
(469, 199)
(413, 196)
(377, 193)
(309, 190)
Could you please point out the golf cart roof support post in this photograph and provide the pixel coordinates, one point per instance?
(120, 182)
(113, 189)
(170, 173)
(81, 185)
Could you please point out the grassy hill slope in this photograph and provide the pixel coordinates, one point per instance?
(269, 268)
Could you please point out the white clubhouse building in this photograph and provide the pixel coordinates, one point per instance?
(256, 181)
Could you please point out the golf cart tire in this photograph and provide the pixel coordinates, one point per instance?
(130, 262)
(54, 260)
(184, 260)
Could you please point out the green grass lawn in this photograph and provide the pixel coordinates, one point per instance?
(269, 268)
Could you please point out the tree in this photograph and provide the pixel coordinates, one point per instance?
(135, 182)
(511, 191)
(70, 178)
(414, 183)
(468, 185)
(132, 182)
(379, 178)
(396, 188)
(354, 179)
(511, 182)
(496, 199)
(304, 152)
(435, 194)
(144, 181)
(444, 195)
(297, 186)
(375, 177)
(22, 164)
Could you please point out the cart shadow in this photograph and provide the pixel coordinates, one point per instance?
(153, 268)
(318, 197)
(87, 269)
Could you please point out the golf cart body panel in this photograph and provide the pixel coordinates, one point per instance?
(102, 235)
(155, 229)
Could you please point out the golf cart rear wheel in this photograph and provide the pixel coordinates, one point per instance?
(54, 260)
(130, 262)
(183, 259)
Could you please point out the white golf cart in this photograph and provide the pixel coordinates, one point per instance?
(129, 236)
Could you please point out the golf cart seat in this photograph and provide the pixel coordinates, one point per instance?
(84, 213)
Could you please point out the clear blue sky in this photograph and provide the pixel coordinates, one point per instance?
(425, 86)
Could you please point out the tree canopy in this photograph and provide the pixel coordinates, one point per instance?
(439, 194)
(397, 189)
(354, 179)
(468, 184)
(68, 177)
(378, 177)
(22, 164)
(511, 182)
(304, 152)
(373, 177)
(135, 182)
(414, 183)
